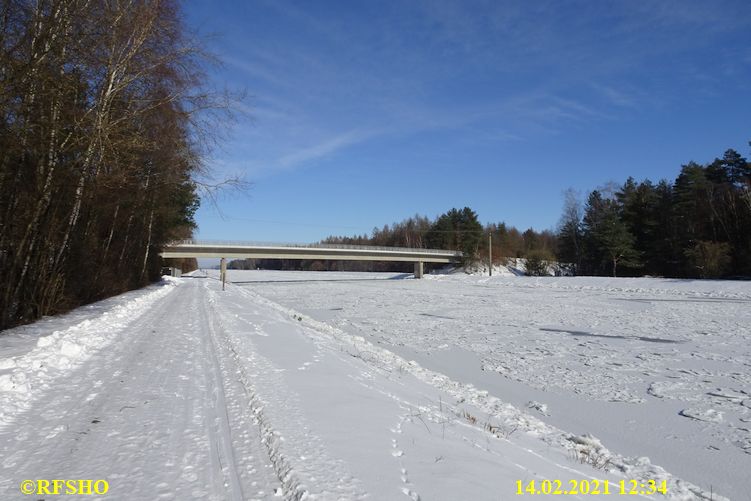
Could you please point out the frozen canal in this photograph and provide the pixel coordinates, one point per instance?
(652, 367)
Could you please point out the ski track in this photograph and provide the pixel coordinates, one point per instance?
(305, 469)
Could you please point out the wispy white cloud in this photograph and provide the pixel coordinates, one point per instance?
(441, 65)
(326, 147)
(615, 96)
(256, 70)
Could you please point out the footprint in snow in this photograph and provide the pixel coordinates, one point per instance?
(412, 494)
(396, 452)
(539, 407)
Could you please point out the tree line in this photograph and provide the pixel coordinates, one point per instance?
(456, 229)
(100, 142)
(698, 226)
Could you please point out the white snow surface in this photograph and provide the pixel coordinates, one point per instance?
(303, 385)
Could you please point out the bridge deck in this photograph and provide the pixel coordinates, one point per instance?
(240, 250)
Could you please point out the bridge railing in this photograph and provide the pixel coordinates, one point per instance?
(239, 243)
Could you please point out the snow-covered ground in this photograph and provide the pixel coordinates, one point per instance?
(354, 386)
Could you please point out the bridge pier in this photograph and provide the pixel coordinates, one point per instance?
(418, 269)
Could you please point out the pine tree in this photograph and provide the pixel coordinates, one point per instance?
(663, 256)
(592, 253)
(569, 242)
(638, 204)
(616, 240)
(608, 242)
(457, 230)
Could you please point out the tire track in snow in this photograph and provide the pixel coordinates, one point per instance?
(264, 383)
(221, 426)
(241, 426)
(292, 488)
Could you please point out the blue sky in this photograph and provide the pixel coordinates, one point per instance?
(361, 113)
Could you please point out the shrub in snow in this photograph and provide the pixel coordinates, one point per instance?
(538, 262)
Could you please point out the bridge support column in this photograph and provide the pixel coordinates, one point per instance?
(223, 271)
(418, 269)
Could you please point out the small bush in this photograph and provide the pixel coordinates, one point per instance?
(538, 262)
(710, 258)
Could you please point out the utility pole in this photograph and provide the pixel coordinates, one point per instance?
(490, 254)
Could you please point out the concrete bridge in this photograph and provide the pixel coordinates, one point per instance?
(244, 250)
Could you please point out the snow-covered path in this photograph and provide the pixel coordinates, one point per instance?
(154, 413)
(191, 392)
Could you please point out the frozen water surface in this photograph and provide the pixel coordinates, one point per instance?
(653, 367)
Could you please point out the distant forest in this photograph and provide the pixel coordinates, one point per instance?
(457, 229)
(698, 226)
(99, 146)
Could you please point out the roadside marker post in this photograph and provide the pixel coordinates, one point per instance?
(223, 270)
(490, 254)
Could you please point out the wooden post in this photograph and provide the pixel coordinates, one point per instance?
(490, 254)
(223, 271)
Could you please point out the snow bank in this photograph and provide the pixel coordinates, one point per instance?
(30, 374)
